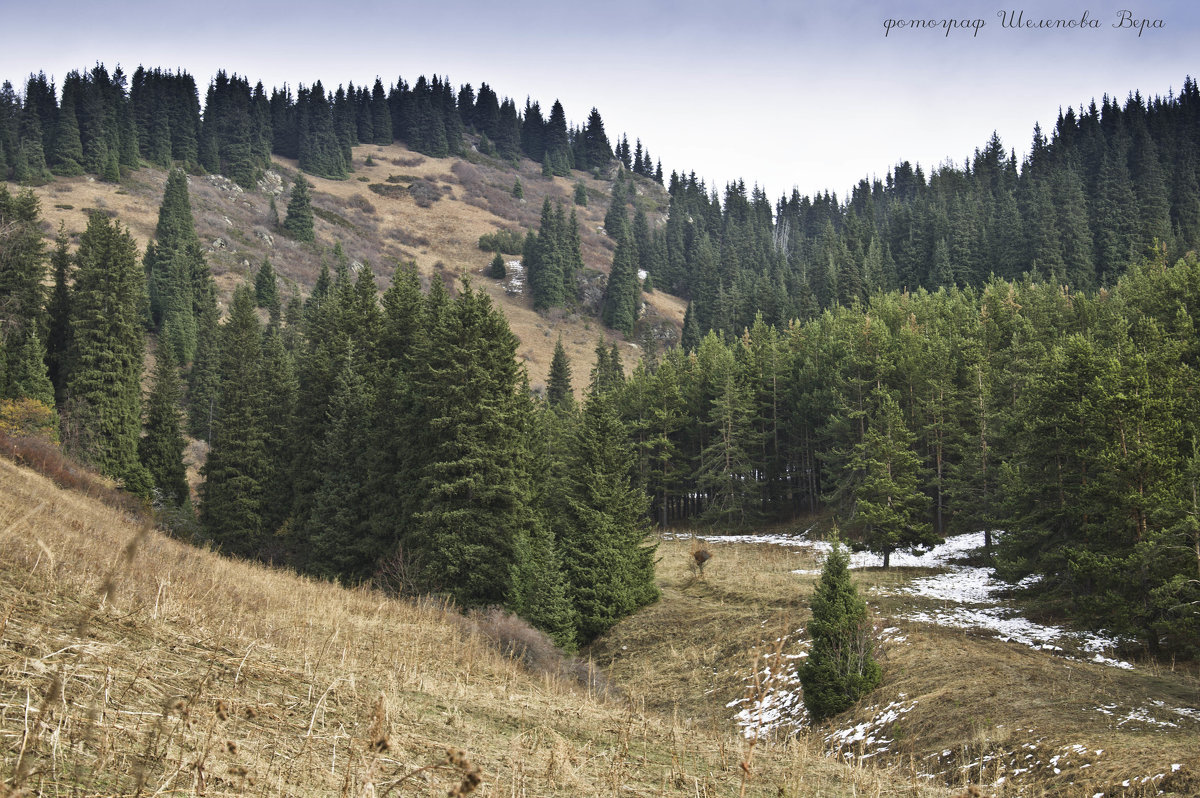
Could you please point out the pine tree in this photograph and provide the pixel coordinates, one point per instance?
(103, 386)
(890, 510)
(840, 668)
(161, 448)
(299, 222)
(581, 196)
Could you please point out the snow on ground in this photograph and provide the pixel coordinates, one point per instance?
(970, 599)
(514, 277)
(970, 595)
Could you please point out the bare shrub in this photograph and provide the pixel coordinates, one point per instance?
(410, 162)
(361, 203)
(406, 238)
(425, 193)
(46, 458)
(514, 637)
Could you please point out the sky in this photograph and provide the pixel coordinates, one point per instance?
(782, 94)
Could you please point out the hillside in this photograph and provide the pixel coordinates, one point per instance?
(197, 674)
(433, 211)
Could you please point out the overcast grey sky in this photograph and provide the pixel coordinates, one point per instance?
(811, 95)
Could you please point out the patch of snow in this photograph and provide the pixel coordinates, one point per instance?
(514, 277)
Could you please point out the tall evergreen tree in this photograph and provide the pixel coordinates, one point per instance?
(161, 448)
(103, 386)
(559, 392)
(231, 513)
(299, 221)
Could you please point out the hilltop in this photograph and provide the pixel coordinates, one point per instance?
(399, 206)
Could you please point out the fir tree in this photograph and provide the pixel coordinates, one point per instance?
(581, 196)
(161, 448)
(299, 222)
(559, 393)
(496, 269)
(103, 386)
(840, 668)
(234, 474)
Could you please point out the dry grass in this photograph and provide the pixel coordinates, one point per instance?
(982, 708)
(133, 664)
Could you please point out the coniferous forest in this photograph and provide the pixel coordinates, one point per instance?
(1002, 345)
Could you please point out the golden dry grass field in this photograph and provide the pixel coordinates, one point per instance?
(132, 664)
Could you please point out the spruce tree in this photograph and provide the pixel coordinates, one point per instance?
(266, 290)
(621, 292)
(496, 269)
(559, 393)
(234, 474)
(841, 667)
(538, 589)
(103, 386)
(58, 311)
(472, 471)
(610, 569)
(299, 221)
(161, 448)
(890, 510)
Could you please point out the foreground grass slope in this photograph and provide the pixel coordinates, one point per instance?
(131, 663)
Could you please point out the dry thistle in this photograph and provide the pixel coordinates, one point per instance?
(700, 557)
(377, 740)
(222, 711)
(472, 776)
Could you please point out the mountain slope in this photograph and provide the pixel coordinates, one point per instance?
(432, 211)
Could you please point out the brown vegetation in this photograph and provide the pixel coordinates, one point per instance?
(130, 662)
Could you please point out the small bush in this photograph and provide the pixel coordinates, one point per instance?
(388, 190)
(504, 241)
(415, 160)
(333, 218)
(406, 238)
